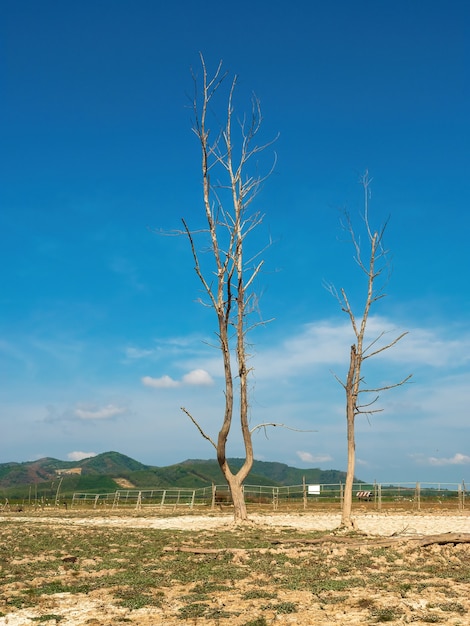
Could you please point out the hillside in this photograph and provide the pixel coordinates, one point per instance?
(109, 471)
(33, 472)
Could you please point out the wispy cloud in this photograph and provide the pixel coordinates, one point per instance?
(457, 459)
(85, 412)
(137, 353)
(164, 382)
(89, 412)
(308, 457)
(79, 456)
(197, 378)
(326, 343)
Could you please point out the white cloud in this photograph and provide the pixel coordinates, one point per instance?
(198, 377)
(95, 413)
(307, 457)
(164, 382)
(326, 343)
(457, 459)
(78, 456)
(137, 353)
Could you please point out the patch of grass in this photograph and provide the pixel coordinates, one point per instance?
(194, 610)
(259, 621)
(132, 599)
(333, 584)
(47, 618)
(388, 554)
(254, 594)
(209, 587)
(19, 602)
(404, 588)
(56, 586)
(188, 568)
(332, 599)
(385, 615)
(453, 607)
(285, 607)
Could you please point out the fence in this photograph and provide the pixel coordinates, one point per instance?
(396, 496)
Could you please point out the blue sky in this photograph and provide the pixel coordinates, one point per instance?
(101, 336)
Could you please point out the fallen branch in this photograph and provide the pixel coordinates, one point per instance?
(353, 542)
(350, 542)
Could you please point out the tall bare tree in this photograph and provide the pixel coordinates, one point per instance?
(229, 274)
(373, 267)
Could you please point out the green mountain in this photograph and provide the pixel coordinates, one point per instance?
(46, 469)
(109, 471)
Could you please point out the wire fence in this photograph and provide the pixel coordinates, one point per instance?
(393, 496)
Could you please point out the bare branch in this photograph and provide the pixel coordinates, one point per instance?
(198, 427)
(390, 345)
(277, 425)
(338, 379)
(385, 387)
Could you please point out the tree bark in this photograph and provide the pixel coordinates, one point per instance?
(346, 519)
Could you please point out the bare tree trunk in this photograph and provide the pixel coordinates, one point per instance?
(346, 519)
(238, 497)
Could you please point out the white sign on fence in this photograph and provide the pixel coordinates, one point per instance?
(313, 490)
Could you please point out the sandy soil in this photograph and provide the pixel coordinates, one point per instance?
(377, 524)
(98, 609)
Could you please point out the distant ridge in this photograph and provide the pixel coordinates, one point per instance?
(109, 471)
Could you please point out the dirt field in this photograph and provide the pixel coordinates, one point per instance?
(144, 569)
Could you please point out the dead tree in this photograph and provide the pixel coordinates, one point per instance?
(373, 268)
(228, 275)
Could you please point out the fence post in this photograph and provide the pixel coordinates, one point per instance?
(377, 496)
(96, 501)
(138, 505)
(341, 495)
(214, 489)
(418, 495)
(192, 500)
(163, 499)
(304, 492)
(463, 495)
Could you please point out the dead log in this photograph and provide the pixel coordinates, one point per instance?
(355, 542)
(350, 542)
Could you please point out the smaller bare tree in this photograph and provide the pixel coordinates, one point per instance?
(373, 268)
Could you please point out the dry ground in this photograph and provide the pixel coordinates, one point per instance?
(147, 569)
